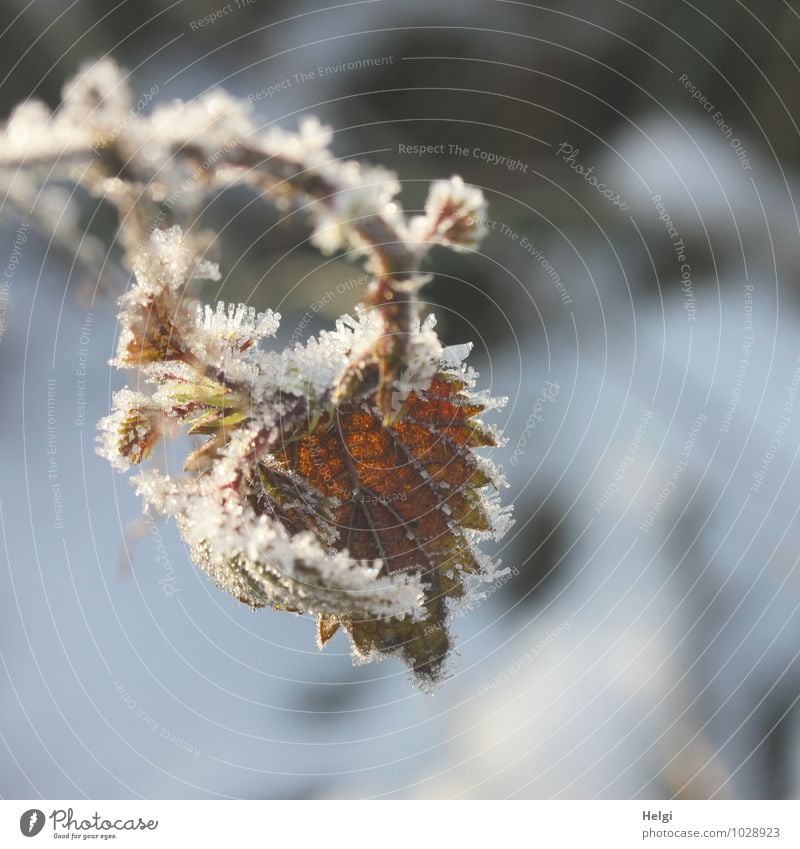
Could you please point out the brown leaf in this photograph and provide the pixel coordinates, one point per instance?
(404, 494)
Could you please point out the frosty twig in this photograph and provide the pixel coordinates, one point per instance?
(338, 478)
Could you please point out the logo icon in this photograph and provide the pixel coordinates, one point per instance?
(31, 822)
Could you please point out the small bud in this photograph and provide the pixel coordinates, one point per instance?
(455, 215)
(130, 433)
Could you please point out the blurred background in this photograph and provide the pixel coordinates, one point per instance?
(635, 299)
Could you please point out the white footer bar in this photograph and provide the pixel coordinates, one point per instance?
(389, 824)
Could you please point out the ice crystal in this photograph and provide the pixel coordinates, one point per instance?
(237, 325)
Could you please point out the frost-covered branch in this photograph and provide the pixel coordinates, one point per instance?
(341, 478)
(151, 166)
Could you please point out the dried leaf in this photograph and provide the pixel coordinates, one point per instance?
(404, 495)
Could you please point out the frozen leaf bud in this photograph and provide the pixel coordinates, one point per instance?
(455, 215)
(129, 434)
(154, 316)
